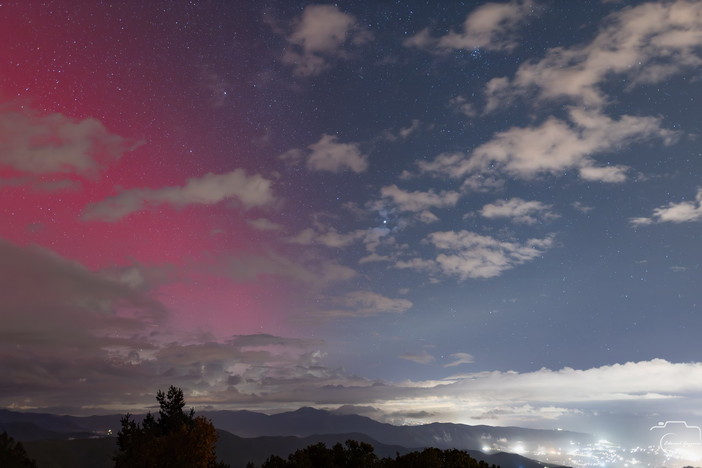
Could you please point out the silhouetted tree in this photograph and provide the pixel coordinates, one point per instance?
(353, 455)
(435, 458)
(12, 454)
(274, 461)
(362, 455)
(177, 439)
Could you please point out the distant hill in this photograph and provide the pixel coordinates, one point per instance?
(237, 451)
(26, 431)
(249, 436)
(308, 421)
(60, 424)
(231, 449)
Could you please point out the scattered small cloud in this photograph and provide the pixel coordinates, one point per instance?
(54, 143)
(418, 201)
(320, 36)
(427, 217)
(492, 26)
(403, 133)
(611, 174)
(422, 358)
(519, 211)
(482, 183)
(583, 208)
(321, 234)
(328, 238)
(462, 105)
(407, 131)
(364, 304)
(465, 254)
(460, 358)
(247, 190)
(328, 154)
(681, 212)
(51, 152)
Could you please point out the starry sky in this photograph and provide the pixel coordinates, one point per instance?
(474, 212)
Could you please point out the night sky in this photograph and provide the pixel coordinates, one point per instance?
(485, 213)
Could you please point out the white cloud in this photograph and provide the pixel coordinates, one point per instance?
(365, 304)
(54, 143)
(617, 382)
(682, 212)
(647, 44)
(491, 26)
(520, 211)
(554, 147)
(421, 40)
(540, 395)
(249, 191)
(462, 105)
(604, 174)
(482, 183)
(583, 208)
(475, 256)
(329, 155)
(407, 131)
(320, 35)
(403, 133)
(294, 376)
(418, 201)
(640, 221)
(376, 237)
(427, 217)
(471, 255)
(499, 92)
(423, 358)
(322, 234)
(417, 264)
(460, 358)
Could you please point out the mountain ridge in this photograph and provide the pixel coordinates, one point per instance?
(255, 436)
